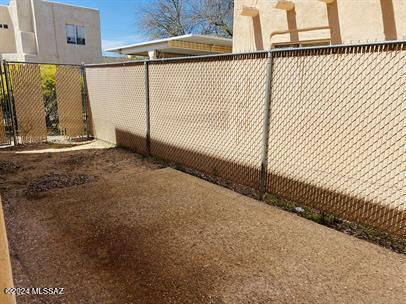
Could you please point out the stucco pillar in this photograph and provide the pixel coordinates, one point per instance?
(153, 54)
(6, 280)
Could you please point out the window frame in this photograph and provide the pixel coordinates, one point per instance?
(75, 34)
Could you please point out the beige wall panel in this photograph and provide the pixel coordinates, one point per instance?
(350, 22)
(69, 99)
(337, 133)
(117, 105)
(208, 115)
(29, 103)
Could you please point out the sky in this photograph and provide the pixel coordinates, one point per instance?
(117, 17)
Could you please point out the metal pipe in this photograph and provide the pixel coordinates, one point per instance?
(44, 63)
(339, 46)
(10, 100)
(147, 107)
(220, 56)
(265, 130)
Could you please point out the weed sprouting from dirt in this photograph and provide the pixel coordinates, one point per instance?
(55, 181)
(394, 243)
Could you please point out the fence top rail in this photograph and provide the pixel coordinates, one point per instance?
(138, 62)
(41, 63)
(259, 53)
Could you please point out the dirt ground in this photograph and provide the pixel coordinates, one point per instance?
(112, 227)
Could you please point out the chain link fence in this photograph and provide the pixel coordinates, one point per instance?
(42, 102)
(322, 126)
(120, 115)
(208, 114)
(337, 132)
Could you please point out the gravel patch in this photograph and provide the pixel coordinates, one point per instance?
(55, 181)
(8, 166)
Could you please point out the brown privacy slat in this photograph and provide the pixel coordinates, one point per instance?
(117, 105)
(29, 104)
(69, 100)
(337, 134)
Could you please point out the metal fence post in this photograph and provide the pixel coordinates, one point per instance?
(6, 109)
(10, 101)
(265, 130)
(147, 107)
(85, 97)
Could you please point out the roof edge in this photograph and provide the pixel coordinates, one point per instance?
(166, 40)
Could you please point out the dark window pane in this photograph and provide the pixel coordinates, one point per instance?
(80, 34)
(71, 34)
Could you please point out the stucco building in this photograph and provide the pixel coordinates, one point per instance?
(262, 24)
(43, 31)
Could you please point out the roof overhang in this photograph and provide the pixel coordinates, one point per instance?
(177, 46)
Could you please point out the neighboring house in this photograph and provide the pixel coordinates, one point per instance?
(42, 31)
(186, 45)
(262, 24)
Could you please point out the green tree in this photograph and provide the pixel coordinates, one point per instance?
(48, 75)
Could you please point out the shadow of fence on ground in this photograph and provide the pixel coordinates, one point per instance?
(344, 206)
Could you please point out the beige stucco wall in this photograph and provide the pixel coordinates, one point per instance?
(7, 42)
(51, 19)
(6, 280)
(39, 32)
(350, 21)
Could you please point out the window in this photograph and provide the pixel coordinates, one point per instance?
(3, 26)
(75, 34)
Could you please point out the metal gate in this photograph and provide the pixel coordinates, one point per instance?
(42, 102)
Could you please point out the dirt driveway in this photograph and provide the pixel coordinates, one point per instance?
(112, 227)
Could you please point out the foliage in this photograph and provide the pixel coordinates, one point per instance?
(167, 18)
(48, 75)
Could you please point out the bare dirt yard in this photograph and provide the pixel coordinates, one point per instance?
(112, 227)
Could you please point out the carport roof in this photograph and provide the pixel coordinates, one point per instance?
(188, 45)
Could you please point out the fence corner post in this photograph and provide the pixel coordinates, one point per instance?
(85, 97)
(10, 100)
(265, 130)
(147, 108)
